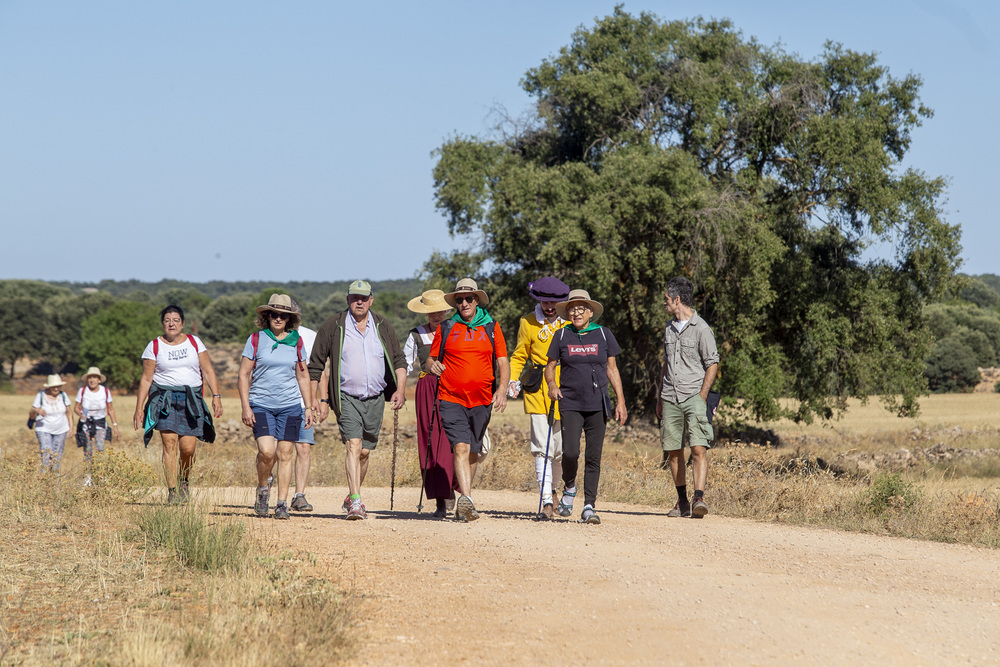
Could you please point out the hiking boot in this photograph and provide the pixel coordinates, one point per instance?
(281, 511)
(680, 509)
(347, 503)
(172, 497)
(260, 507)
(300, 504)
(547, 512)
(357, 511)
(699, 509)
(465, 509)
(589, 515)
(184, 492)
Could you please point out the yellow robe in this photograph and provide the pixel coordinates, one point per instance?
(533, 338)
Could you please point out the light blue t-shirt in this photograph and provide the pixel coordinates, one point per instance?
(273, 384)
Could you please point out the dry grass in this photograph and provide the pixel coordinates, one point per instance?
(89, 575)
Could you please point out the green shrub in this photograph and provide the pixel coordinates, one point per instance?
(888, 492)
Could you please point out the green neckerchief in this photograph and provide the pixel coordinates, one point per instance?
(589, 327)
(480, 319)
(291, 339)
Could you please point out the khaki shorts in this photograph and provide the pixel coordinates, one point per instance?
(690, 416)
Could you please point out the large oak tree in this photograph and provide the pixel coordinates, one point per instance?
(683, 148)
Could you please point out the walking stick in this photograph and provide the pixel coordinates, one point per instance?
(545, 464)
(395, 442)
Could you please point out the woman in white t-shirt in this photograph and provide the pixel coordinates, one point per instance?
(52, 413)
(175, 366)
(94, 404)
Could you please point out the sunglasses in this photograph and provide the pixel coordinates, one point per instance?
(465, 299)
(279, 316)
(576, 309)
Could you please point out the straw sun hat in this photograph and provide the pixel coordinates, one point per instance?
(53, 381)
(279, 303)
(94, 370)
(431, 301)
(579, 296)
(463, 287)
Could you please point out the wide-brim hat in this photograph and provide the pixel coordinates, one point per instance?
(431, 301)
(94, 370)
(548, 289)
(53, 381)
(578, 296)
(279, 303)
(463, 287)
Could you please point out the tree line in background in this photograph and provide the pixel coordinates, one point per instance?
(72, 326)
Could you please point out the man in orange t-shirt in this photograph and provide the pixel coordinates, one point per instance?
(465, 391)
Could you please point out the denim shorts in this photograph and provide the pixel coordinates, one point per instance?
(280, 424)
(306, 434)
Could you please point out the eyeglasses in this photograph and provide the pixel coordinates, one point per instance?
(279, 316)
(576, 310)
(466, 299)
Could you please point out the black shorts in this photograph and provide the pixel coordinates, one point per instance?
(462, 424)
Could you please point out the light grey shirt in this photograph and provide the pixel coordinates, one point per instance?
(688, 354)
(362, 362)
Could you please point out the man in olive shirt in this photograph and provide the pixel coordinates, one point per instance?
(690, 365)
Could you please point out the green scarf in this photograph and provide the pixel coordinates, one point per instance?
(291, 339)
(590, 327)
(480, 319)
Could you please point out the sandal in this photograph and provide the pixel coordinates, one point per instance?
(565, 509)
(589, 516)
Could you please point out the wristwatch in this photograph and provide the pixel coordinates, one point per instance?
(324, 400)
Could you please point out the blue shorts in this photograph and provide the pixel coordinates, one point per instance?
(306, 434)
(281, 424)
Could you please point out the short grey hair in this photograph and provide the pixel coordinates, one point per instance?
(683, 288)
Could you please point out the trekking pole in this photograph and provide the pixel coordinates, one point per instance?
(545, 464)
(395, 442)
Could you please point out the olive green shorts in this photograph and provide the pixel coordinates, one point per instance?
(690, 416)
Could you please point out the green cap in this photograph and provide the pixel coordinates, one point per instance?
(359, 287)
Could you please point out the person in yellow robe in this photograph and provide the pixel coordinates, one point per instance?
(527, 365)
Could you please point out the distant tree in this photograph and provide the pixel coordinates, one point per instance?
(65, 314)
(190, 299)
(31, 289)
(332, 305)
(979, 292)
(392, 305)
(951, 366)
(681, 148)
(25, 329)
(978, 328)
(224, 320)
(114, 339)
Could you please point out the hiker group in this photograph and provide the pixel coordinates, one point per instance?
(290, 377)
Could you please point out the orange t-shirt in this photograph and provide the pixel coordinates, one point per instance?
(468, 364)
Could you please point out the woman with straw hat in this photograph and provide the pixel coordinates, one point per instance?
(433, 448)
(273, 385)
(586, 353)
(93, 407)
(52, 415)
(175, 369)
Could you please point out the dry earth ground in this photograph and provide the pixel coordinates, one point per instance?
(641, 587)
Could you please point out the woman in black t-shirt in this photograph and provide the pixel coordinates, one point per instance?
(586, 353)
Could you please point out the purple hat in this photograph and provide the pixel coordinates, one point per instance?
(548, 289)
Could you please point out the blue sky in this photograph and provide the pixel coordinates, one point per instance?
(293, 141)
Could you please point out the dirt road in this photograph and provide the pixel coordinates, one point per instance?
(643, 588)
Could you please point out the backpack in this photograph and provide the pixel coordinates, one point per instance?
(490, 329)
(255, 341)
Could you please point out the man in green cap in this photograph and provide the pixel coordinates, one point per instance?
(367, 365)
